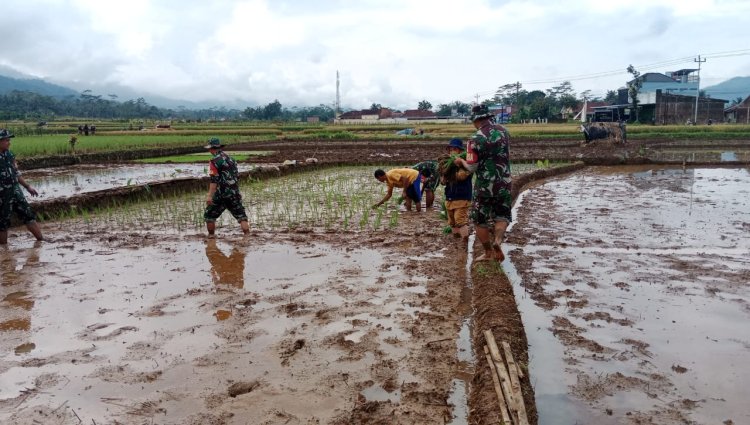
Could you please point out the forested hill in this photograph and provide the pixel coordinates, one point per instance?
(8, 84)
(737, 87)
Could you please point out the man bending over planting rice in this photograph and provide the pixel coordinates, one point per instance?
(408, 179)
(224, 190)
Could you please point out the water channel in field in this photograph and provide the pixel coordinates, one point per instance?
(66, 181)
(633, 286)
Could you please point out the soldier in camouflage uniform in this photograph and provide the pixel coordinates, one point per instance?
(12, 199)
(488, 154)
(431, 182)
(224, 190)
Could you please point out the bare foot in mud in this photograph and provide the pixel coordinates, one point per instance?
(484, 257)
(498, 253)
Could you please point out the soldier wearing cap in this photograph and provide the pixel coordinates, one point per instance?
(12, 199)
(488, 155)
(224, 190)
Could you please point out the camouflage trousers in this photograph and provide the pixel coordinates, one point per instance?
(485, 211)
(12, 201)
(232, 202)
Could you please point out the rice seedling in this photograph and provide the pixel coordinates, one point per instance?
(334, 198)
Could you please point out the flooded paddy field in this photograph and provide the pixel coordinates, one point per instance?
(70, 180)
(132, 316)
(633, 286)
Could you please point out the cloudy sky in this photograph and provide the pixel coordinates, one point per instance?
(392, 52)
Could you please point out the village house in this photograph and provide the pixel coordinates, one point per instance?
(739, 113)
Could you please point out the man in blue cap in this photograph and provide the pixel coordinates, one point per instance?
(12, 199)
(223, 191)
(457, 181)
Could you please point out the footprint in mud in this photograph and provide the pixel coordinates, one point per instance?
(90, 332)
(289, 349)
(239, 388)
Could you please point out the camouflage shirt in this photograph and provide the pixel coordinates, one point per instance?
(430, 182)
(489, 148)
(8, 171)
(223, 172)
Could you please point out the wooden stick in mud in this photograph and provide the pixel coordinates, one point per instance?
(498, 389)
(502, 373)
(509, 358)
(515, 384)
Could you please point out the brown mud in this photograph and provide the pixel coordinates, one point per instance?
(161, 337)
(283, 328)
(633, 289)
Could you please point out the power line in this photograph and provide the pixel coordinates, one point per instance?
(646, 67)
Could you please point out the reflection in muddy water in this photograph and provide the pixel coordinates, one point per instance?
(24, 348)
(126, 326)
(65, 181)
(728, 156)
(697, 155)
(226, 269)
(377, 393)
(638, 279)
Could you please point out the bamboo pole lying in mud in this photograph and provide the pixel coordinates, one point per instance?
(509, 357)
(508, 378)
(504, 411)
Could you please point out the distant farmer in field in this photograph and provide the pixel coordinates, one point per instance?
(72, 142)
(224, 190)
(408, 179)
(12, 199)
(488, 154)
(425, 168)
(457, 181)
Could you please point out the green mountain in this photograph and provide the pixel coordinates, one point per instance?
(8, 84)
(730, 89)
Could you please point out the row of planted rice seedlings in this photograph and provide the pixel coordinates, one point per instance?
(332, 199)
(337, 198)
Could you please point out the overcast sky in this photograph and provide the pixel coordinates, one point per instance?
(392, 52)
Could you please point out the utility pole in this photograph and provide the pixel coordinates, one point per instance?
(337, 106)
(476, 96)
(698, 92)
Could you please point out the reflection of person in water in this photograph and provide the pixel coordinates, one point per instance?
(226, 270)
(16, 281)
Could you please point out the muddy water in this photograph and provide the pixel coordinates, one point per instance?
(167, 330)
(633, 289)
(66, 181)
(713, 156)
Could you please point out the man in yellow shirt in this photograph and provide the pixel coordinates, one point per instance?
(408, 179)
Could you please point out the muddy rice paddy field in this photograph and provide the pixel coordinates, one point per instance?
(624, 298)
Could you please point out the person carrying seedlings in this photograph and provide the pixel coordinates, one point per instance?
(12, 199)
(408, 179)
(457, 181)
(488, 155)
(425, 168)
(224, 190)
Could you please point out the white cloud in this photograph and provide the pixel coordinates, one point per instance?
(392, 52)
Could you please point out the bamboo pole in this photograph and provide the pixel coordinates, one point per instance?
(498, 390)
(515, 384)
(509, 357)
(502, 373)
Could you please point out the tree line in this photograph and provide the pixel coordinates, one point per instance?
(28, 105)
